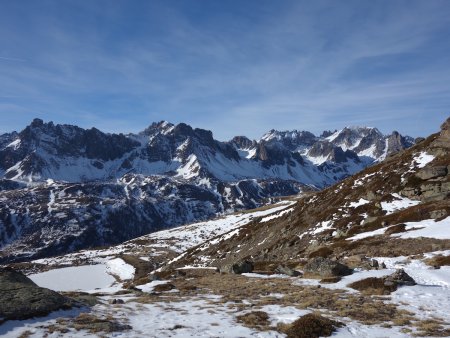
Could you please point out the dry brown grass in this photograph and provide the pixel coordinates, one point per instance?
(255, 319)
(373, 286)
(237, 289)
(438, 261)
(25, 334)
(330, 280)
(164, 287)
(395, 229)
(310, 326)
(94, 324)
(431, 327)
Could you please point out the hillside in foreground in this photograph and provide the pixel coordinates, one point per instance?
(367, 257)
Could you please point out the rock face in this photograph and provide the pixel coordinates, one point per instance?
(20, 298)
(325, 267)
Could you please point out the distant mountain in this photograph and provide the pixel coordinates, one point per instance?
(65, 188)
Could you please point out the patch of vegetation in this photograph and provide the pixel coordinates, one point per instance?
(164, 287)
(254, 319)
(431, 327)
(438, 261)
(395, 229)
(330, 280)
(90, 323)
(311, 326)
(373, 286)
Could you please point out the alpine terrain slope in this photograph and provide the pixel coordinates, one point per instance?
(366, 257)
(64, 188)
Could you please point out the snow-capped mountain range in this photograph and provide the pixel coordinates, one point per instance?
(64, 188)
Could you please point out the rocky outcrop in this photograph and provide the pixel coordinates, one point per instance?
(238, 267)
(325, 267)
(285, 270)
(432, 172)
(20, 298)
(399, 278)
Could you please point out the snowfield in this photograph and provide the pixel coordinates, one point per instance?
(426, 228)
(81, 278)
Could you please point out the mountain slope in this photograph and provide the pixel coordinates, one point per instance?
(381, 211)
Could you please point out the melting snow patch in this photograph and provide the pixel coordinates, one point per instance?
(149, 286)
(322, 226)
(283, 314)
(362, 180)
(120, 269)
(427, 228)
(423, 159)
(398, 204)
(361, 201)
(268, 218)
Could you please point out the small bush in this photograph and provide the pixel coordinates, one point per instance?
(254, 319)
(438, 261)
(330, 280)
(312, 326)
(395, 229)
(163, 287)
(373, 286)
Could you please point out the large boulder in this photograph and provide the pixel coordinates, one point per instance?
(432, 172)
(325, 267)
(21, 298)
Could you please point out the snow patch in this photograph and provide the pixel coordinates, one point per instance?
(119, 268)
(398, 204)
(423, 159)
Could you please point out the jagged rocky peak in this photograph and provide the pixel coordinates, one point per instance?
(243, 142)
(397, 142)
(327, 133)
(330, 152)
(68, 140)
(290, 139)
(350, 137)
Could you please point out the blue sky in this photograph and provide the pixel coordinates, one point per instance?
(235, 67)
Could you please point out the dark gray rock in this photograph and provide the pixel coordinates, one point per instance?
(374, 263)
(325, 267)
(238, 268)
(21, 298)
(284, 270)
(399, 278)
